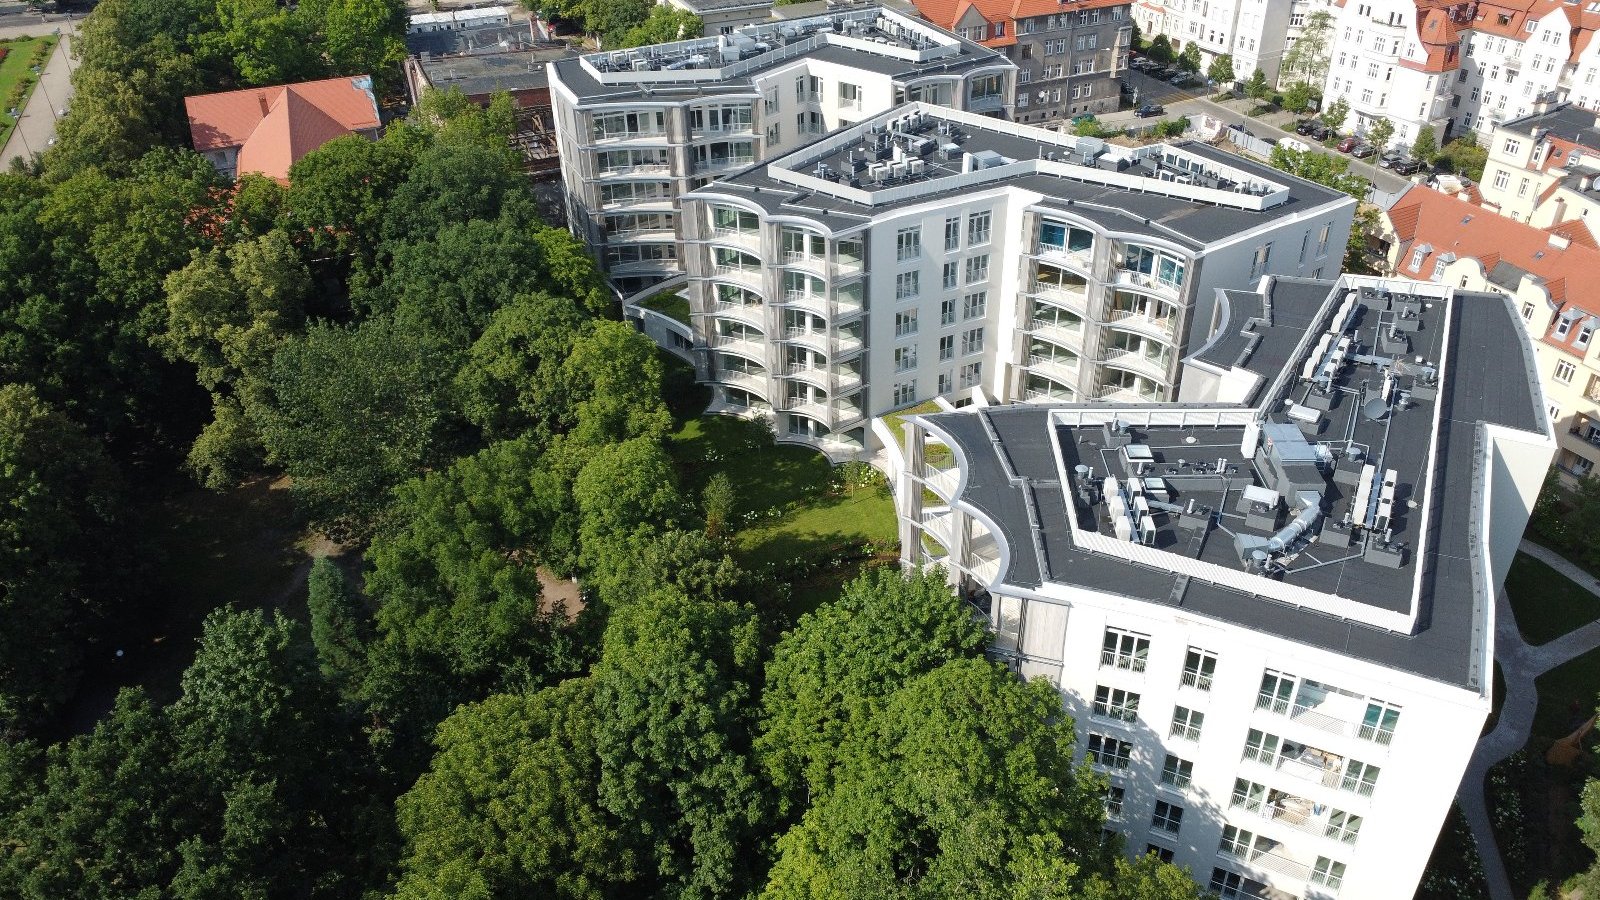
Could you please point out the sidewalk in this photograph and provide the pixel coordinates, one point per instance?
(36, 128)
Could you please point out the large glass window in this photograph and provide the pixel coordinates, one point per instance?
(728, 218)
(633, 124)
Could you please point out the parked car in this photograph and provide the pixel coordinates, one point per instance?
(1348, 144)
(1149, 109)
(1164, 73)
(1124, 87)
(1235, 126)
(1321, 132)
(1388, 159)
(1407, 167)
(1362, 151)
(1305, 126)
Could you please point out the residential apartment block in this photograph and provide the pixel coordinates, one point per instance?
(1543, 167)
(1269, 606)
(1397, 60)
(1450, 241)
(639, 128)
(1254, 32)
(1070, 57)
(928, 252)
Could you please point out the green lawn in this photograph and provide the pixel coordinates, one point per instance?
(18, 63)
(1547, 604)
(669, 303)
(934, 454)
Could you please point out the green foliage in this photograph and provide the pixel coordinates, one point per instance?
(1299, 97)
(1189, 59)
(1307, 59)
(1160, 50)
(1172, 128)
(1426, 144)
(62, 501)
(647, 560)
(1381, 134)
(1257, 88)
(1221, 69)
(830, 675)
(675, 687)
(1334, 114)
(665, 24)
(1563, 516)
(510, 805)
(613, 379)
(1147, 878)
(512, 381)
(1465, 156)
(1324, 168)
(340, 627)
(717, 500)
(961, 785)
(621, 487)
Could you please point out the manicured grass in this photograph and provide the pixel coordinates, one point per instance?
(765, 475)
(669, 303)
(1454, 871)
(18, 64)
(934, 454)
(1546, 603)
(853, 517)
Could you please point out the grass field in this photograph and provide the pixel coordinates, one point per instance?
(1546, 603)
(17, 65)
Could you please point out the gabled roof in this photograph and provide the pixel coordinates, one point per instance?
(1576, 231)
(1440, 224)
(947, 13)
(275, 126)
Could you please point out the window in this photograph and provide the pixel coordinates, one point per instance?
(1501, 179)
(1342, 826)
(1198, 668)
(972, 341)
(952, 273)
(970, 373)
(1125, 649)
(977, 268)
(978, 229)
(905, 285)
(1168, 817)
(1162, 853)
(952, 234)
(1233, 886)
(1236, 842)
(1258, 265)
(1177, 772)
(1527, 310)
(905, 358)
(1248, 795)
(1585, 333)
(905, 323)
(947, 347)
(1322, 240)
(1512, 146)
(947, 312)
(1416, 259)
(1114, 797)
(1260, 746)
(849, 96)
(1564, 324)
(1360, 777)
(1522, 188)
(999, 29)
(1109, 752)
(1564, 372)
(1186, 723)
(1438, 270)
(908, 244)
(905, 392)
(1115, 703)
(1326, 872)
(1276, 689)
(1379, 722)
(946, 384)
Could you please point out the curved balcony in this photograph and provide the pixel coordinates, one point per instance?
(1055, 368)
(1138, 363)
(750, 278)
(750, 349)
(810, 373)
(811, 409)
(1072, 299)
(1116, 393)
(812, 303)
(745, 239)
(1160, 327)
(640, 169)
(795, 259)
(1082, 260)
(1142, 281)
(756, 384)
(1054, 395)
(846, 345)
(808, 337)
(846, 380)
(743, 313)
(1056, 332)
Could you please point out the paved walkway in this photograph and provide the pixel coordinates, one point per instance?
(1520, 663)
(36, 128)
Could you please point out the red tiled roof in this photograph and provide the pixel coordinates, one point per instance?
(275, 126)
(946, 13)
(1445, 224)
(1576, 231)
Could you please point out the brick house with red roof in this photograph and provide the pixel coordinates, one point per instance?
(267, 130)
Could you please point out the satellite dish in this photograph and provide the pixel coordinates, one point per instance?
(1375, 409)
(1080, 470)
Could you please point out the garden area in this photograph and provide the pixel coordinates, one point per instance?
(21, 60)
(668, 303)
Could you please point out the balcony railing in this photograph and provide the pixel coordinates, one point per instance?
(745, 347)
(1055, 328)
(1114, 660)
(985, 103)
(1135, 320)
(639, 169)
(1146, 281)
(1049, 396)
(1066, 368)
(817, 303)
(742, 236)
(1136, 361)
(750, 276)
(746, 311)
(723, 163)
(747, 380)
(1082, 258)
(1585, 434)
(1114, 393)
(1197, 681)
(1271, 861)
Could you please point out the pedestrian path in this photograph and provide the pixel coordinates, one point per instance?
(1520, 663)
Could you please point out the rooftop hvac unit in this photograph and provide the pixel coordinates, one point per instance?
(915, 167)
(642, 65)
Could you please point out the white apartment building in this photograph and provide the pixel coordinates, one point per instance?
(639, 128)
(928, 252)
(1269, 606)
(1397, 60)
(1255, 32)
(1543, 168)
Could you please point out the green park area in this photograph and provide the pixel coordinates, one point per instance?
(21, 60)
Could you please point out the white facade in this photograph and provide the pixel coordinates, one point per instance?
(827, 313)
(1380, 67)
(639, 128)
(1255, 32)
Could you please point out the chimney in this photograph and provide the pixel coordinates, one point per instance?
(265, 107)
(1561, 211)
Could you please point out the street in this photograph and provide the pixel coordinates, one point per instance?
(1193, 101)
(36, 128)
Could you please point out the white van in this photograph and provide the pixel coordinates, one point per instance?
(1294, 144)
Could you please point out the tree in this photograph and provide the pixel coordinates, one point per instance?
(512, 382)
(1306, 60)
(364, 37)
(1299, 97)
(339, 192)
(961, 785)
(718, 499)
(834, 670)
(1323, 168)
(353, 411)
(1147, 878)
(1160, 50)
(340, 627)
(621, 487)
(650, 559)
(61, 503)
(1465, 156)
(1221, 70)
(1334, 114)
(264, 42)
(675, 692)
(664, 24)
(1189, 59)
(1425, 145)
(613, 380)
(1086, 126)
(510, 805)
(456, 179)
(1381, 133)
(1257, 88)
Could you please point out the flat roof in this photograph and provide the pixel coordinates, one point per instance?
(1568, 122)
(486, 73)
(1186, 191)
(1381, 570)
(874, 38)
(477, 39)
